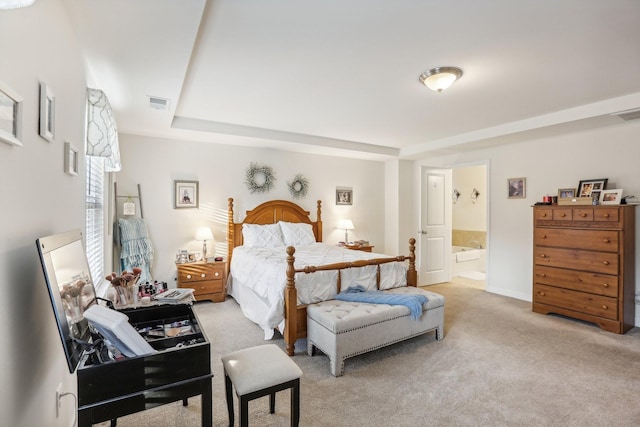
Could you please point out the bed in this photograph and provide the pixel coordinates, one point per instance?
(271, 280)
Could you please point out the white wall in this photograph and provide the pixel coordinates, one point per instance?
(38, 199)
(548, 164)
(220, 170)
(467, 214)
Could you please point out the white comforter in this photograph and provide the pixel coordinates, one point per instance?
(258, 278)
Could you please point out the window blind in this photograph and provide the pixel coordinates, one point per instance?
(94, 238)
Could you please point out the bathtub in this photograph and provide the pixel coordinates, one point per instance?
(467, 260)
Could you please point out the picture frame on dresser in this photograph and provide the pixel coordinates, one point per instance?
(592, 187)
(566, 193)
(611, 197)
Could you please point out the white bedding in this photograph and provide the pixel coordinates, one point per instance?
(258, 278)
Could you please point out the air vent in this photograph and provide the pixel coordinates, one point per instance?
(628, 115)
(158, 103)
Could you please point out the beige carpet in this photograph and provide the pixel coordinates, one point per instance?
(499, 365)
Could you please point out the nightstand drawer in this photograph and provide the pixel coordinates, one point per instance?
(209, 286)
(197, 272)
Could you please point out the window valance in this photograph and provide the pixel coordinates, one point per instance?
(102, 132)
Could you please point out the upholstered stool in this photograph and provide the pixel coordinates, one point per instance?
(260, 371)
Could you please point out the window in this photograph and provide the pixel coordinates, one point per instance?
(94, 237)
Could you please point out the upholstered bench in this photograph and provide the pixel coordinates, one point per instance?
(342, 329)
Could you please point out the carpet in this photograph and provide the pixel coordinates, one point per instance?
(499, 365)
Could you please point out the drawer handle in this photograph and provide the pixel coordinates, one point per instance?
(583, 214)
(605, 285)
(201, 287)
(606, 215)
(203, 275)
(607, 241)
(544, 236)
(543, 256)
(543, 275)
(188, 276)
(541, 293)
(604, 307)
(217, 273)
(543, 215)
(563, 215)
(605, 262)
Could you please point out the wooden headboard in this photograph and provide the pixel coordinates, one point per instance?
(270, 213)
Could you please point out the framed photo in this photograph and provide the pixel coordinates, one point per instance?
(611, 197)
(517, 188)
(344, 196)
(70, 159)
(185, 194)
(591, 187)
(47, 113)
(566, 193)
(10, 116)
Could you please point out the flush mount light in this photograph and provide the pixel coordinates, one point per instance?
(15, 4)
(440, 78)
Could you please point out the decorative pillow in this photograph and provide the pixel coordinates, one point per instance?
(265, 236)
(297, 233)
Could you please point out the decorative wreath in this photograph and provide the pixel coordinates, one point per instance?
(299, 186)
(259, 179)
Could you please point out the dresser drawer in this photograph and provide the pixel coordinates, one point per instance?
(188, 273)
(562, 214)
(597, 262)
(595, 305)
(597, 240)
(607, 215)
(208, 287)
(594, 283)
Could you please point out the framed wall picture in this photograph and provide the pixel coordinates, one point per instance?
(592, 187)
(10, 116)
(517, 188)
(47, 113)
(611, 197)
(185, 194)
(344, 196)
(70, 159)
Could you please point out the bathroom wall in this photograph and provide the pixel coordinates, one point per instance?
(469, 216)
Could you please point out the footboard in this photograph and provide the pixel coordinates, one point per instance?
(296, 316)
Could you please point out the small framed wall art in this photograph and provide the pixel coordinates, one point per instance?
(70, 159)
(517, 188)
(10, 116)
(47, 113)
(344, 196)
(185, 194)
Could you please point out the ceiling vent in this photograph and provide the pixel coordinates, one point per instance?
(158, 103)
(628, 115)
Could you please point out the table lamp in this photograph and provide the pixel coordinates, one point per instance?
(346, 225)
(204, 234)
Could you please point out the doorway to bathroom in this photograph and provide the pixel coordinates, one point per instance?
(469, 224)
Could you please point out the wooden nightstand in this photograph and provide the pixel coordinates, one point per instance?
(207, 278)
(363, 248)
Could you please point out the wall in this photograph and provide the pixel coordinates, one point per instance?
(38, 199)
(547, 164)
(220, 169)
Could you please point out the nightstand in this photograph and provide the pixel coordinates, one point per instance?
(363, 248)
(207, 278)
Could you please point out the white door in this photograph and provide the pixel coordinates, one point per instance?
(435, 226)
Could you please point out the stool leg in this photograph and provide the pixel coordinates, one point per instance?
(272, 403)
(295, 403)
(244, 411)
(228, 391)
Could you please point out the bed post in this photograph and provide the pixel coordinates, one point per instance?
(319, 221)
(230, 233)
(290, 304)
(412, 274)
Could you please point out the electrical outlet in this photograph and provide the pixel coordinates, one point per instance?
(58, 397)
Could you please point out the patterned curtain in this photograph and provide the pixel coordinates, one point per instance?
(102, 132)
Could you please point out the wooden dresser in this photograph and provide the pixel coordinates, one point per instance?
(584, 264)
(207, 278)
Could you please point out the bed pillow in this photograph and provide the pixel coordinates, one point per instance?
(262, 236)
(297, 234)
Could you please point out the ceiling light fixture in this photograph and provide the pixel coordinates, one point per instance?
(15, 4)
(440, 78)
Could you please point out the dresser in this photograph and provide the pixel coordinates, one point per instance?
(207, 278)
(584, 264)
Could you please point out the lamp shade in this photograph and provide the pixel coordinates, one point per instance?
(204, 233)
(346, 224)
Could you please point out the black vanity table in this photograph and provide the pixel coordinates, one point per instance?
(176, 367)
(180, 369)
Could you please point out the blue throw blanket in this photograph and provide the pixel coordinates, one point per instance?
(359, 294)
(136, 249)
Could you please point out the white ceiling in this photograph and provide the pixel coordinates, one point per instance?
(341, 76)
